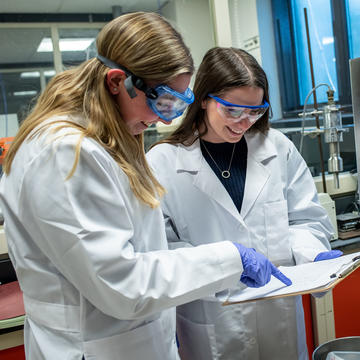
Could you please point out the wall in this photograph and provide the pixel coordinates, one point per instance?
(193, 20)
(253, 31)
(244, 26)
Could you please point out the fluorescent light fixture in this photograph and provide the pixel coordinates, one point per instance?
(74, 44)
(36, 74)
(29, 74)
(49, 73)
(25, 93)
(327, 40)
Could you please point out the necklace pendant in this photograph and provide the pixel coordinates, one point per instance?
(225, 174)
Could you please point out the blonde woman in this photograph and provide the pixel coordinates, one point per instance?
(85, 232)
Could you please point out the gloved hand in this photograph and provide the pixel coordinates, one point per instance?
(257, 268)
(326, 255)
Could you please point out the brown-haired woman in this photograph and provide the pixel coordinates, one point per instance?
(228, 175)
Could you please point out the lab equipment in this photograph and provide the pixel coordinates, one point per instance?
(351, 343)
(348, 225)
(326, 255)
(329, 205)
(333, 132)
(343, 355)
(332, 129)
(257, 268)
(355, 97)
(4, 147)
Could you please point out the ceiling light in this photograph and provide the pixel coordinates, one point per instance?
(29, 74)
(36, 74)
(25, 93)
(74, 44)
(49, 73)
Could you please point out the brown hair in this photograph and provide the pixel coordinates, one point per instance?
(220, 70)
(149, 47)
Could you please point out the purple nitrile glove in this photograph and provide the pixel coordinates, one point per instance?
(257, 268)
(326, 255)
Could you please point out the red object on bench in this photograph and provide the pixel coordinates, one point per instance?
(15, 353)
(11, 301)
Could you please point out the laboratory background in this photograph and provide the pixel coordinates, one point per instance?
(310, 51)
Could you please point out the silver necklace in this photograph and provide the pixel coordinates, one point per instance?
(224, 173)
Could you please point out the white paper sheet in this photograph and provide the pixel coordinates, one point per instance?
(305, 277)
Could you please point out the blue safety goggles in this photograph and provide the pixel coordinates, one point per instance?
(170, 104)
(165, 102)
(237, 113)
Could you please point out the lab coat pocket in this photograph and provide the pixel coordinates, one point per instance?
(144, 342)
(197, 341)
(277, 232)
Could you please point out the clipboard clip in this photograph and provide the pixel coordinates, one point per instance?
(348, 268)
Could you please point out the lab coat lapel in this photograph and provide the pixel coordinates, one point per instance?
(191, 159)
(260, 150)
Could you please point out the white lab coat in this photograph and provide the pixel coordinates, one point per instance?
(92, 261)
(284, 221)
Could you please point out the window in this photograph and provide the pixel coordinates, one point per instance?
(334, 38)
(77, 45)
(353, 20)
(28, 60)
(322, 46)
(330, 27)
(23, 72)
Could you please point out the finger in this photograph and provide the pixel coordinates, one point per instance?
(249, 282)
(336, 253)
(279, 275)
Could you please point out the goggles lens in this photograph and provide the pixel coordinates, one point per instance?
(237, 113)
(169, 103)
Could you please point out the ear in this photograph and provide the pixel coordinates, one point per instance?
(114, 77)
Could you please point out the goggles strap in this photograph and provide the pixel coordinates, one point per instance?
(131, 79)
(129, 86)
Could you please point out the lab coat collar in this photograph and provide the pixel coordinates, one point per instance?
(259, 146)
(260, 150)
(190, 159)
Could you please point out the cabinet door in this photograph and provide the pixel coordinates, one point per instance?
(15, 353)
(346, 299)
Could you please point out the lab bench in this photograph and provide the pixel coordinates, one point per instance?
(11, 331)
(347, 246)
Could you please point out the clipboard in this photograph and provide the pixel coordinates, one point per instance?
(320, 276)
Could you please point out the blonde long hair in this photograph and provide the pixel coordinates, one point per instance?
(149, 47)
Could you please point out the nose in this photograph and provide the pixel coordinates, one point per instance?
(244, 121)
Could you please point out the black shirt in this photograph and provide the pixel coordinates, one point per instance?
(221, 154)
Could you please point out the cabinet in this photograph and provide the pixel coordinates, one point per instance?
(340, 318)
(11, 345)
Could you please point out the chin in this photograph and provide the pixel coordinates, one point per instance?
(137, 132)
